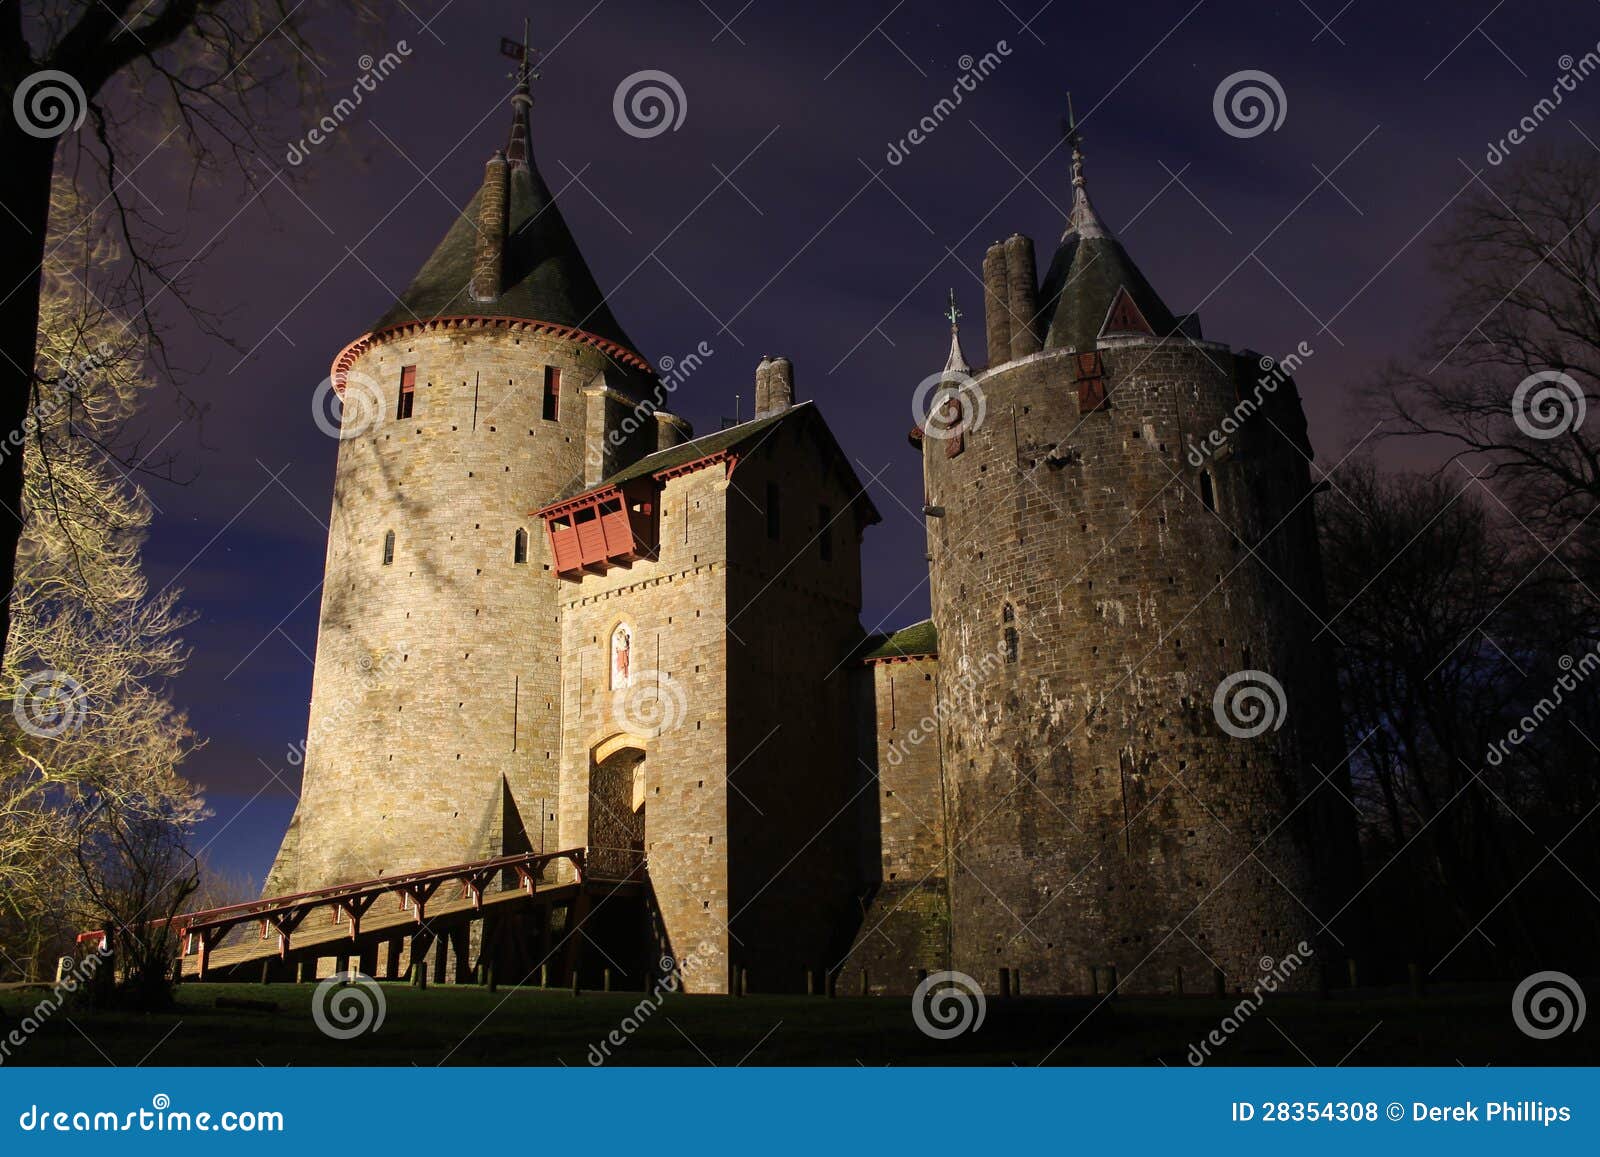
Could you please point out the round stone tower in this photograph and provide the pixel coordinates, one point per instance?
(1101, 565)
(497, 382)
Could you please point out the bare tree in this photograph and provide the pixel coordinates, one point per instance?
(93, 87)
(1511, 364)
(1445, 646)
(89, 751)
(137, 872)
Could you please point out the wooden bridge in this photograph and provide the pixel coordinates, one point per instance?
(496, 916)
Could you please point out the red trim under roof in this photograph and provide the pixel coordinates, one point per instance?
(586, 497)
(348, 355)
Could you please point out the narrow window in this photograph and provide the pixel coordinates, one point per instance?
(1208, 496)
(552, 393)
(774, 523)
(408, 391)
(1009, 616)
(519, 546)
(388, 548)
(825, 533)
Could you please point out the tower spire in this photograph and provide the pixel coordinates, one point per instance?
(956, 363)
(1083, 220)
(519, 149)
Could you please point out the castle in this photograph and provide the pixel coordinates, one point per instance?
(554, 618)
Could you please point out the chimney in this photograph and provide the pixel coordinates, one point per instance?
(601, 441)
(774, 387)
(671, 430)
(488, 257)
(996, 303)
(1022, 295)
(763, 384)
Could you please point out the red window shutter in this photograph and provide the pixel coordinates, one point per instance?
(408, 391)
(1091, 382)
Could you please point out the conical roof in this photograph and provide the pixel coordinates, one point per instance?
(544, 278)
(1088, 275)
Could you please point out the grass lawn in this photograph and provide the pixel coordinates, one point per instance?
(471, 1026)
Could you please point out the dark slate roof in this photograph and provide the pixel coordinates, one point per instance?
(909, 642)
(1080, 286)
(696, 448)
(545, 276)
(727, 439)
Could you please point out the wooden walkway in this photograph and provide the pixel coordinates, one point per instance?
(407, 914)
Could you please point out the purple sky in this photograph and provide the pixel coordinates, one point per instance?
(770, 222)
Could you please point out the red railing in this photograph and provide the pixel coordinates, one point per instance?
(200, 931)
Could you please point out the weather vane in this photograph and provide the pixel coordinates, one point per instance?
(520, 51)
(953, 313)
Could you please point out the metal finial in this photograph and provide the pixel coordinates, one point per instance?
(1075, 139)
(956, 363)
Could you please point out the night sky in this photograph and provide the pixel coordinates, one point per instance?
(771, 222)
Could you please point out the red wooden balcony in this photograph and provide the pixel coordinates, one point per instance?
(594, 532)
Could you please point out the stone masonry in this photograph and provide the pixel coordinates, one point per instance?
(553, 619)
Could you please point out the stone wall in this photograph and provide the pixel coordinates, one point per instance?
(905, 930)
(1088, 604)
(749, 757)
(796, 787)
(675, 713)
(434, 731)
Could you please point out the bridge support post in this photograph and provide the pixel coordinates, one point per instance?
(441, 958)
(576, 914)
(420, 940)
(546, 914)
(460, 941)
(308, 970)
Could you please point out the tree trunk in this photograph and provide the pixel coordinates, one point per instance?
(25, 194)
